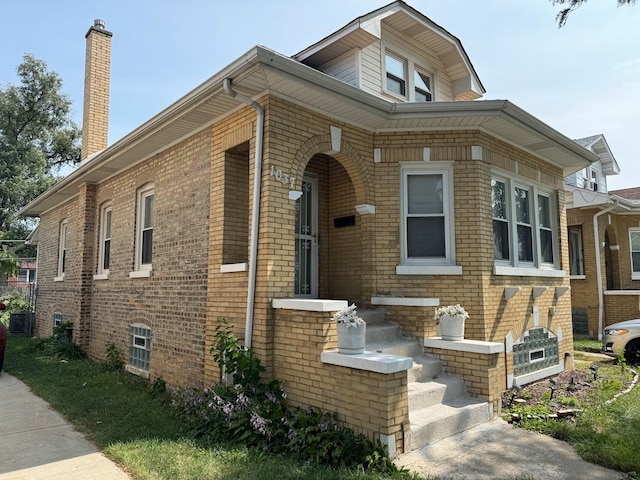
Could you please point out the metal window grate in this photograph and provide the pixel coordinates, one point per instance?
(140, 347)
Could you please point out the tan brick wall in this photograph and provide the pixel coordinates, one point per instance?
(172, 302)
(621, 307)
(95, 118)
(484, 374)
(57, 297)
(584, 291)
(370, 403)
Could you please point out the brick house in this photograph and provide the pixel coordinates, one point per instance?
(604, 245)
(363, 169)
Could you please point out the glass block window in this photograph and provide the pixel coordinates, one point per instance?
(536, 350)
(57, 319)
(140, 346)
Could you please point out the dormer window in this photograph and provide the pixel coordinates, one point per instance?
(422, 86)
(406, 80)
(594, 180)
(396, 74)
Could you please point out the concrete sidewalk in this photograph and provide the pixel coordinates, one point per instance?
(36, 443)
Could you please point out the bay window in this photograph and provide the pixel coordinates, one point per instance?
(525, 230)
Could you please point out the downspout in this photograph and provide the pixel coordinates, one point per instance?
(596, 236)
(255, 209)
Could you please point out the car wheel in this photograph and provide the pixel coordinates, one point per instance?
(632, 352)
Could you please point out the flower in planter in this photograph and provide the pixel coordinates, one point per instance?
(348, 316)
(450, 311)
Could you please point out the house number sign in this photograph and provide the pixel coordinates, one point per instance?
(285, 178)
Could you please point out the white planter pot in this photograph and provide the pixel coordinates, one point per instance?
(452, 327)
(351, 340)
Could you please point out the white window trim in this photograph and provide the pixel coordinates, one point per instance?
(141, 269)
(62, 251)
(514, 266)
(429, 266)
(103, 273)
(411, 66)
(390, 53)
(428, 73)
(634, 275)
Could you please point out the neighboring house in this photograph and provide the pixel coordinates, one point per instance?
(604, 245)
(27, 273)
(359, 170)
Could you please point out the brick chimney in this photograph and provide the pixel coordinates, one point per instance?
(95, 114)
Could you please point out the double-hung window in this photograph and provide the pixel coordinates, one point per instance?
(422, 87)
(524, 227)
(404, 78)
(396, 69)
(62, 251)
(634, 242)
(576, 260)
(144, 232)
(104, 254)
(427, 219)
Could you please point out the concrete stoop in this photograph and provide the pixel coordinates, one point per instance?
(438, 404)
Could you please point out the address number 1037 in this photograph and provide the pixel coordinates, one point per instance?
(284, 177)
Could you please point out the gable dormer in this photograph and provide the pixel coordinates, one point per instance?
(594, 177)
(397, 53)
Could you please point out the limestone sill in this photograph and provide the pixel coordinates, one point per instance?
(474, 346)
(369, 361)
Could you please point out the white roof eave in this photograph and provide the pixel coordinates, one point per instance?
(250, 73)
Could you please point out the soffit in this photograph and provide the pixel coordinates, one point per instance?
(262, 71)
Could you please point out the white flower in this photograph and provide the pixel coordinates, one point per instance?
(348, 316)
(451, 311)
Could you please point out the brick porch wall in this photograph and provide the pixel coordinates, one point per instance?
(368, 402)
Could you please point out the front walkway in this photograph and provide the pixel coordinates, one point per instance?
(497, 450)
(36, 443)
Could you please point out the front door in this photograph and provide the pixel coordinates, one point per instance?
(306, 230)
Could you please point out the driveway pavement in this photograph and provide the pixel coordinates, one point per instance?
(36, 443)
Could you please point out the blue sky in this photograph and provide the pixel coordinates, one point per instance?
(582, 79)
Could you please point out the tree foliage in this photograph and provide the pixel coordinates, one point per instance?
(36, 137)
(571, 5)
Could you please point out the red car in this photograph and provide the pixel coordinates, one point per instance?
(3, 338)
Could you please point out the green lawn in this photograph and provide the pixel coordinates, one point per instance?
(136, 427)
(121, 414)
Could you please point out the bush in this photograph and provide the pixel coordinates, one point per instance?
(254, 413)
(14, 302)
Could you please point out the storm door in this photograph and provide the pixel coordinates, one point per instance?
(306, 233)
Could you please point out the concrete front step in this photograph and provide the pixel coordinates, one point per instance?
(379, 332)
(406, 347)
(439, 390)
(430, 424)
(424, 369)
(372, 316)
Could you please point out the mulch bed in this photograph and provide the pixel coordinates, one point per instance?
(571, 388)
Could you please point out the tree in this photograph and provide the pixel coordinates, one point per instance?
(36, 137)
(563, 14)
